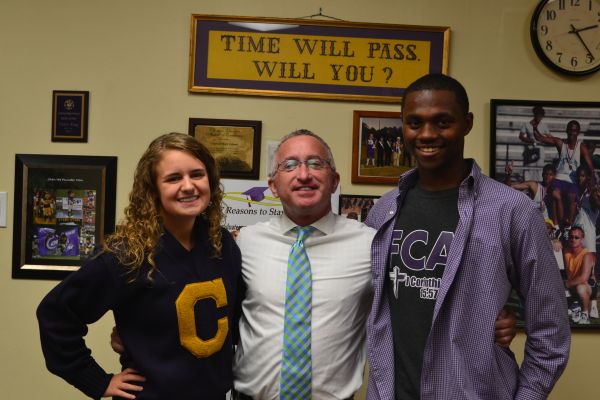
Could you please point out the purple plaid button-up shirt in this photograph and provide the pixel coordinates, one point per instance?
(500, 243)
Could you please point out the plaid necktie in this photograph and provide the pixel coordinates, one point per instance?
(296, 369)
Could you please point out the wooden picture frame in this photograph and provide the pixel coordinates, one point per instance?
(532, 160)
(311, 58)
(70, 111)
(234, 143)
(63, 206)
(378, 151)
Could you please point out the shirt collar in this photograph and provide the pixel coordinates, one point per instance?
(409, 179)
(324, 225)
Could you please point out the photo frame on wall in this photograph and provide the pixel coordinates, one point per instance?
(234, 143)
(356, 206)
(378, 151)
(547, 149)
(64, 206)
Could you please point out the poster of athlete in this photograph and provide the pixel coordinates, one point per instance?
(547, 149)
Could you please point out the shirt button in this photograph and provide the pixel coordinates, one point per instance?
(392, 211)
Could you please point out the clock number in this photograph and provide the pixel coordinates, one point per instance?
(544, 29)
(561, 4)
(574, 3)
(548, 45)
(551, 15)
(589, 58)
(573, 61)
(559, 54)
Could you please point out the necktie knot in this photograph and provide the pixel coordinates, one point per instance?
(303, 232)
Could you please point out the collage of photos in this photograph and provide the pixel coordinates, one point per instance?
(547, 150)
(64, 224)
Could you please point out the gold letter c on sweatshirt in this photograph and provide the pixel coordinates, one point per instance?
(186, 317)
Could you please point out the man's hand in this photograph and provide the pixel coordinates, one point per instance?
(120, 382)
(506, 330)
(115, 341)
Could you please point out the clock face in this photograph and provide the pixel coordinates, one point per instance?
(566, 35)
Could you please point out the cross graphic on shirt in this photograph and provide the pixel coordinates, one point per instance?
(397, 277)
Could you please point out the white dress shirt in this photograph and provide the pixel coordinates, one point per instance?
(339, 253)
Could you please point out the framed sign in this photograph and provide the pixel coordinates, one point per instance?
(547, 150)
(356, 206)
(312, 58)
(234, 143)
(70, 111)
(378, 151)
(64, 206)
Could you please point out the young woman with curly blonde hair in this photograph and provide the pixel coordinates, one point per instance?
(170, 274)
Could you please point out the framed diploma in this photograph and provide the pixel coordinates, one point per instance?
(235, 144)
(70, 111)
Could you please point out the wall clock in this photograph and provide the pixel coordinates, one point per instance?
(566, 35)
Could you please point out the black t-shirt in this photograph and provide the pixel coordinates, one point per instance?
(421, 240)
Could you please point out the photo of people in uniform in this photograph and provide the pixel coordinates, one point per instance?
(547, 150)
(380, 149)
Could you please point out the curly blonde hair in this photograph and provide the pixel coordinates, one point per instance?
(136, 238)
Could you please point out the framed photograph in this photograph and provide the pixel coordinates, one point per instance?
(378, 151)
(356, 206)
(547, 149)
(64, 206)
(70, 111)
(312, 58)
(234, 143)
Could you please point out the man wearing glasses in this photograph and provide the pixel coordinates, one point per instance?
(579, 263)
(304, 177)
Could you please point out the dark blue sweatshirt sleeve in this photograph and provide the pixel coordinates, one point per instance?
(63, 315)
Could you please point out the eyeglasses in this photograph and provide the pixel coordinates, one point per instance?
(314, 163)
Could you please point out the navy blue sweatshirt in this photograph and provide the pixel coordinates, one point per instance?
(177, 329)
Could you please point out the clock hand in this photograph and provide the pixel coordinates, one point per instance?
(576, 32)
(586, 28)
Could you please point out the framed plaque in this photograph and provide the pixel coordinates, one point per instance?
(235, 144)
(70, 111)
(64, 206)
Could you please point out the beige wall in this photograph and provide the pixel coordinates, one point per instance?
(133, 58)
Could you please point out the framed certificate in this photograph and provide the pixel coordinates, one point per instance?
(235, 144)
